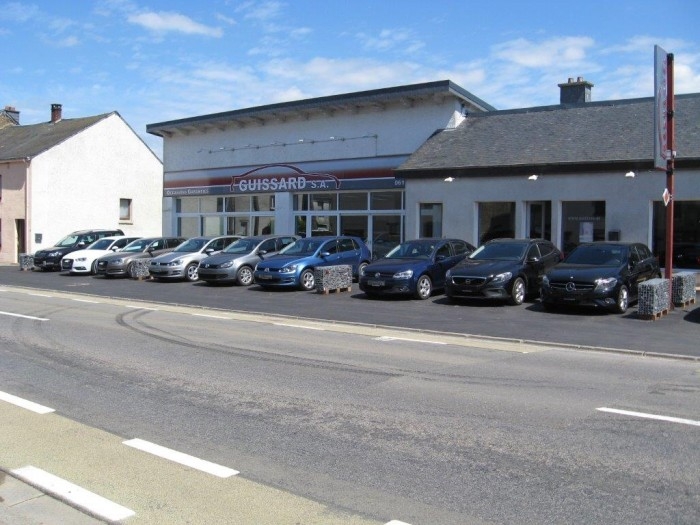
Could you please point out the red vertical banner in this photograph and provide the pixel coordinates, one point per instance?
(661, 148)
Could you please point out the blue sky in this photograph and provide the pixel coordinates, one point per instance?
(154, 61)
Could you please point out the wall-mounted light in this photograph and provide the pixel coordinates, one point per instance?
(533, 177)
(449, 179)
(630, 174)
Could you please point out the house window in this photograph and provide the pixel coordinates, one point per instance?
(124, 209)
(430, 220)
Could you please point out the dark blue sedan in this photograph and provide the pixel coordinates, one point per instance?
(414, 268)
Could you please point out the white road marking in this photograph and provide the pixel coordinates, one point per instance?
(80, 497)
(210, 316)
(24, 316)
(184, 459)
(396, 522)
(387, 338)
(23, 403)
(41, 295)
(86, 301)
(650, 416)
(299, 326)
(140, 307)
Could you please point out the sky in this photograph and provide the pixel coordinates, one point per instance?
(154, 61)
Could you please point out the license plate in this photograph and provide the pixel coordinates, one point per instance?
(375, 283)
(264, 276)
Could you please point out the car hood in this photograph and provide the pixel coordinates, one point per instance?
(396, 265)
(278, 261)
(125, 255)
(89, 253)
(56, 249)
(221, 258)
(581, 272)
(484, 267)
(171, 256)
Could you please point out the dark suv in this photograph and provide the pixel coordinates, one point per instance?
(50, 258)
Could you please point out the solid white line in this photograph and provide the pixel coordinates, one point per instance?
(210, 316)
(387, 338)
(23, 403)
(300, 326)
(24, 316)
(183, 459)
(40, 295)
(140, 307)
(86, 301)
(81, 498)
(396, 522)
(650, 416)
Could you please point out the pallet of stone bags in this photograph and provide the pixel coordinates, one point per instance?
(654, 299)
(683, 292)
(138, 269)
(336, 278)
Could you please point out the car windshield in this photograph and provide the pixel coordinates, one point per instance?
(191, 246)
(242, 246)
(598, 255)
(412, 250)
(137, 246)
(307, 246)
(70, 240)
(101, 244)
(500, 251)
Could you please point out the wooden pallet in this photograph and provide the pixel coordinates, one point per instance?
(326, 291)
(654, 316)
(683, 304)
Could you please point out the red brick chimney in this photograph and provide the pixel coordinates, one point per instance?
(56, 110)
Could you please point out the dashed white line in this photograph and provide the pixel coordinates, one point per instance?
(31, 317)
(140, 307)
(299, 326)
(669, 419)
(396, 522)
(40, 295)
(80, 497)
(23, 403)
(210, 316)
(179, 457)
(86, 301)
(387, 338)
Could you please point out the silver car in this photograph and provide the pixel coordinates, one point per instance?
(182, 262)
(236, 263)
(120, 264)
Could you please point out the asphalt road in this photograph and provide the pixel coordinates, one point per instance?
(339, 424)
(676, 333)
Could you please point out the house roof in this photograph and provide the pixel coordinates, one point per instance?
(587, 136)
(28, 141)
(324, 105)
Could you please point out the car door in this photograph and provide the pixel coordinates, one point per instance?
(330, 248)
(444, 259)
(157, 247)
(534, 267)
(349, 253)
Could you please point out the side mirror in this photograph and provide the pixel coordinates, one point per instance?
(114, 248)
(325, 254)
(532, 260)
(439, 258)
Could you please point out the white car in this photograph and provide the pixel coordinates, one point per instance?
(85, 261)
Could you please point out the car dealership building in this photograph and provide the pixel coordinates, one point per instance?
(432, 160)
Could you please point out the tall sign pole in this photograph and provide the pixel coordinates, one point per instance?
(664, 130)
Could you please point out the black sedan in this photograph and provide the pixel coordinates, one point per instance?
(509, 269)
(413, 268)
(600, 274)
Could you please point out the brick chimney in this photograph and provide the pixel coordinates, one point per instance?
(56, 111)
(11, 112)
(575, 91)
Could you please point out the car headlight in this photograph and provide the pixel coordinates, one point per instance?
(118, 261)
(228, 264)
(176, 262)
(406, 274)
(54, 254)
(605, 284)
(81, 259)
(448, 274)
(289, 269)
(545, 281)
(502, 277)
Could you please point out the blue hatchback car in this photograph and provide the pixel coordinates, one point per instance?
(414, 267)
(294, 265)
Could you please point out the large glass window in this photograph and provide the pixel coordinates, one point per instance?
(430, 220)
(188, 226)
(354, 225)
(686, 233)
(582, 221)
(386, 200)
(496, 220)
(353, 201)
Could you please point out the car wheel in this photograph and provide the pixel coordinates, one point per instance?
(131, 270)
(424, 287)
(93, 268)
(244, 276)
(307, 280)
(517, 292)
(623, 300)
(192, 272)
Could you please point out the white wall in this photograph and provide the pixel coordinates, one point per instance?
(78, 184)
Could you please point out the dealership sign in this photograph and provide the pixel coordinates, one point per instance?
(661, 149)
(282, 177)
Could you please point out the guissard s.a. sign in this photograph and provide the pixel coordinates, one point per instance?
(282, 177)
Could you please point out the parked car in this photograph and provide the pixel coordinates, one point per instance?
(600, 274)
(50, 258)
(294, 265)
(509, 269)
(183, 261)
(236, 263)
(119, 264)
(85, 261)
(415, 268)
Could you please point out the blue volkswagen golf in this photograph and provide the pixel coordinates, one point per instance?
(414, 267)
(294, 265)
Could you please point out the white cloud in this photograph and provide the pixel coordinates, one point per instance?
(18, 12)
(390, 39)
(163, 22)
(554, 52)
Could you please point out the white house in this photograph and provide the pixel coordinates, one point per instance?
(72, 174)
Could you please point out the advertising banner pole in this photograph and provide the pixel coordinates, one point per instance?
(670, 130)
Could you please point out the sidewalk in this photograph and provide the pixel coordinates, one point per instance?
(22, 504)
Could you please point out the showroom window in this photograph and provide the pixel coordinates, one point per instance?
(235, 215)
(686, 233)
(496, 220)
(582, 221)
